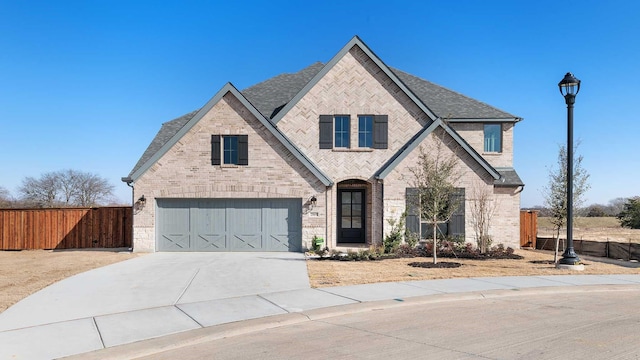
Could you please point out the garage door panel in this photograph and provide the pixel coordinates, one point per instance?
(229, 224)
(174, 226)
(283, 221)
(244, 224)
(209, 226)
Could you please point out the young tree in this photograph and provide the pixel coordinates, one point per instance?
(434, 177)
(630, 215)
(483, 206)
(555, 194)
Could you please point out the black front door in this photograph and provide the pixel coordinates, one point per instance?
(351, 216)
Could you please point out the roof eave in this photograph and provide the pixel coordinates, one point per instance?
(229, 88)
(407, 149)
(485, 120)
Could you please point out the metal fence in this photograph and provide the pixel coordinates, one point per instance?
(609, 249)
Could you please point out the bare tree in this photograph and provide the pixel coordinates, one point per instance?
(91, 190)
(482, 208)
(66, 188)
(68, 183)
(5, 198)
(616, 206)
(41, 192)
(434, 177)
(555, 193)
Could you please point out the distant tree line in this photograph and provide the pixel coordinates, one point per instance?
(64, 188)
(611, 209)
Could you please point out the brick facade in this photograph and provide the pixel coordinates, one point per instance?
(354, 85)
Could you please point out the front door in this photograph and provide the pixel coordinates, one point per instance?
(351, 216)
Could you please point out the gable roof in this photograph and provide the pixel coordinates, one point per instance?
(155, 151)
(396, 159)
(272, 98)
(355, 41)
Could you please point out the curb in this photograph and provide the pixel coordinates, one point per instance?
(194, 337)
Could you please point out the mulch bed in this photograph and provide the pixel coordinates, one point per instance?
(440, 265)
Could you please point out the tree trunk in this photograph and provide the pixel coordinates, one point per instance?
(435, 241)
(555, 252)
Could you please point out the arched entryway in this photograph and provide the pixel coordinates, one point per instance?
(353, 212)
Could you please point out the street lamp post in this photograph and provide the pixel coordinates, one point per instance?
(569, 88)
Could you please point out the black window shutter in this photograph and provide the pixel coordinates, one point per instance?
(413, 212)
(215, 149)
(380, 131)
(456, 223)
(326, 131)
(243, 150)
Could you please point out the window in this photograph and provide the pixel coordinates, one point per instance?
(455, 227)
(229, 150)
(334, 131)
(342, 131)
(365, 131)
(493, 138)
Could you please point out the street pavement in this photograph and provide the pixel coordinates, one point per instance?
(164, 301)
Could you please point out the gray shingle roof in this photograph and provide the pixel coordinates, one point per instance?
(447, 103)
(270, 96)
(508, 177)
(166, 132)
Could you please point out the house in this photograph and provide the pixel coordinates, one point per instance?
(322, 152)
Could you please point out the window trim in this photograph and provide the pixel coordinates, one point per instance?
(342, 131)
(369, 131)
(484, 138)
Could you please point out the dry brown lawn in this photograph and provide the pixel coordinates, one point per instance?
(24, 272)
(341, 273)
(592, 228)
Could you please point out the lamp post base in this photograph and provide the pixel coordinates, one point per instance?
(577, 267)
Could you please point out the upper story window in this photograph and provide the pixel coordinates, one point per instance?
(365, 131)
(229, 150)
(342, 133)
(493, 138)
(335, 131)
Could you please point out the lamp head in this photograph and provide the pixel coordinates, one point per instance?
(569, 86)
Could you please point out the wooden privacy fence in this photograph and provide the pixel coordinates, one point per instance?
(528, 228)
(65, 228)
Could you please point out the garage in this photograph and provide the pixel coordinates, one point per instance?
(229, 225)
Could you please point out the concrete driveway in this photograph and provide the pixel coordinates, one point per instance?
(150, 296)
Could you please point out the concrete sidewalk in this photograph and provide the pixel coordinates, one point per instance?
(162, 294)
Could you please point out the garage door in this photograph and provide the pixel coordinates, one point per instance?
(229, 225)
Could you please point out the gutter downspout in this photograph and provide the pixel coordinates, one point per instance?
(326, 217)
(129, 183)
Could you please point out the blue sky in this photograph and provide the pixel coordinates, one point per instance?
(86, 84)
